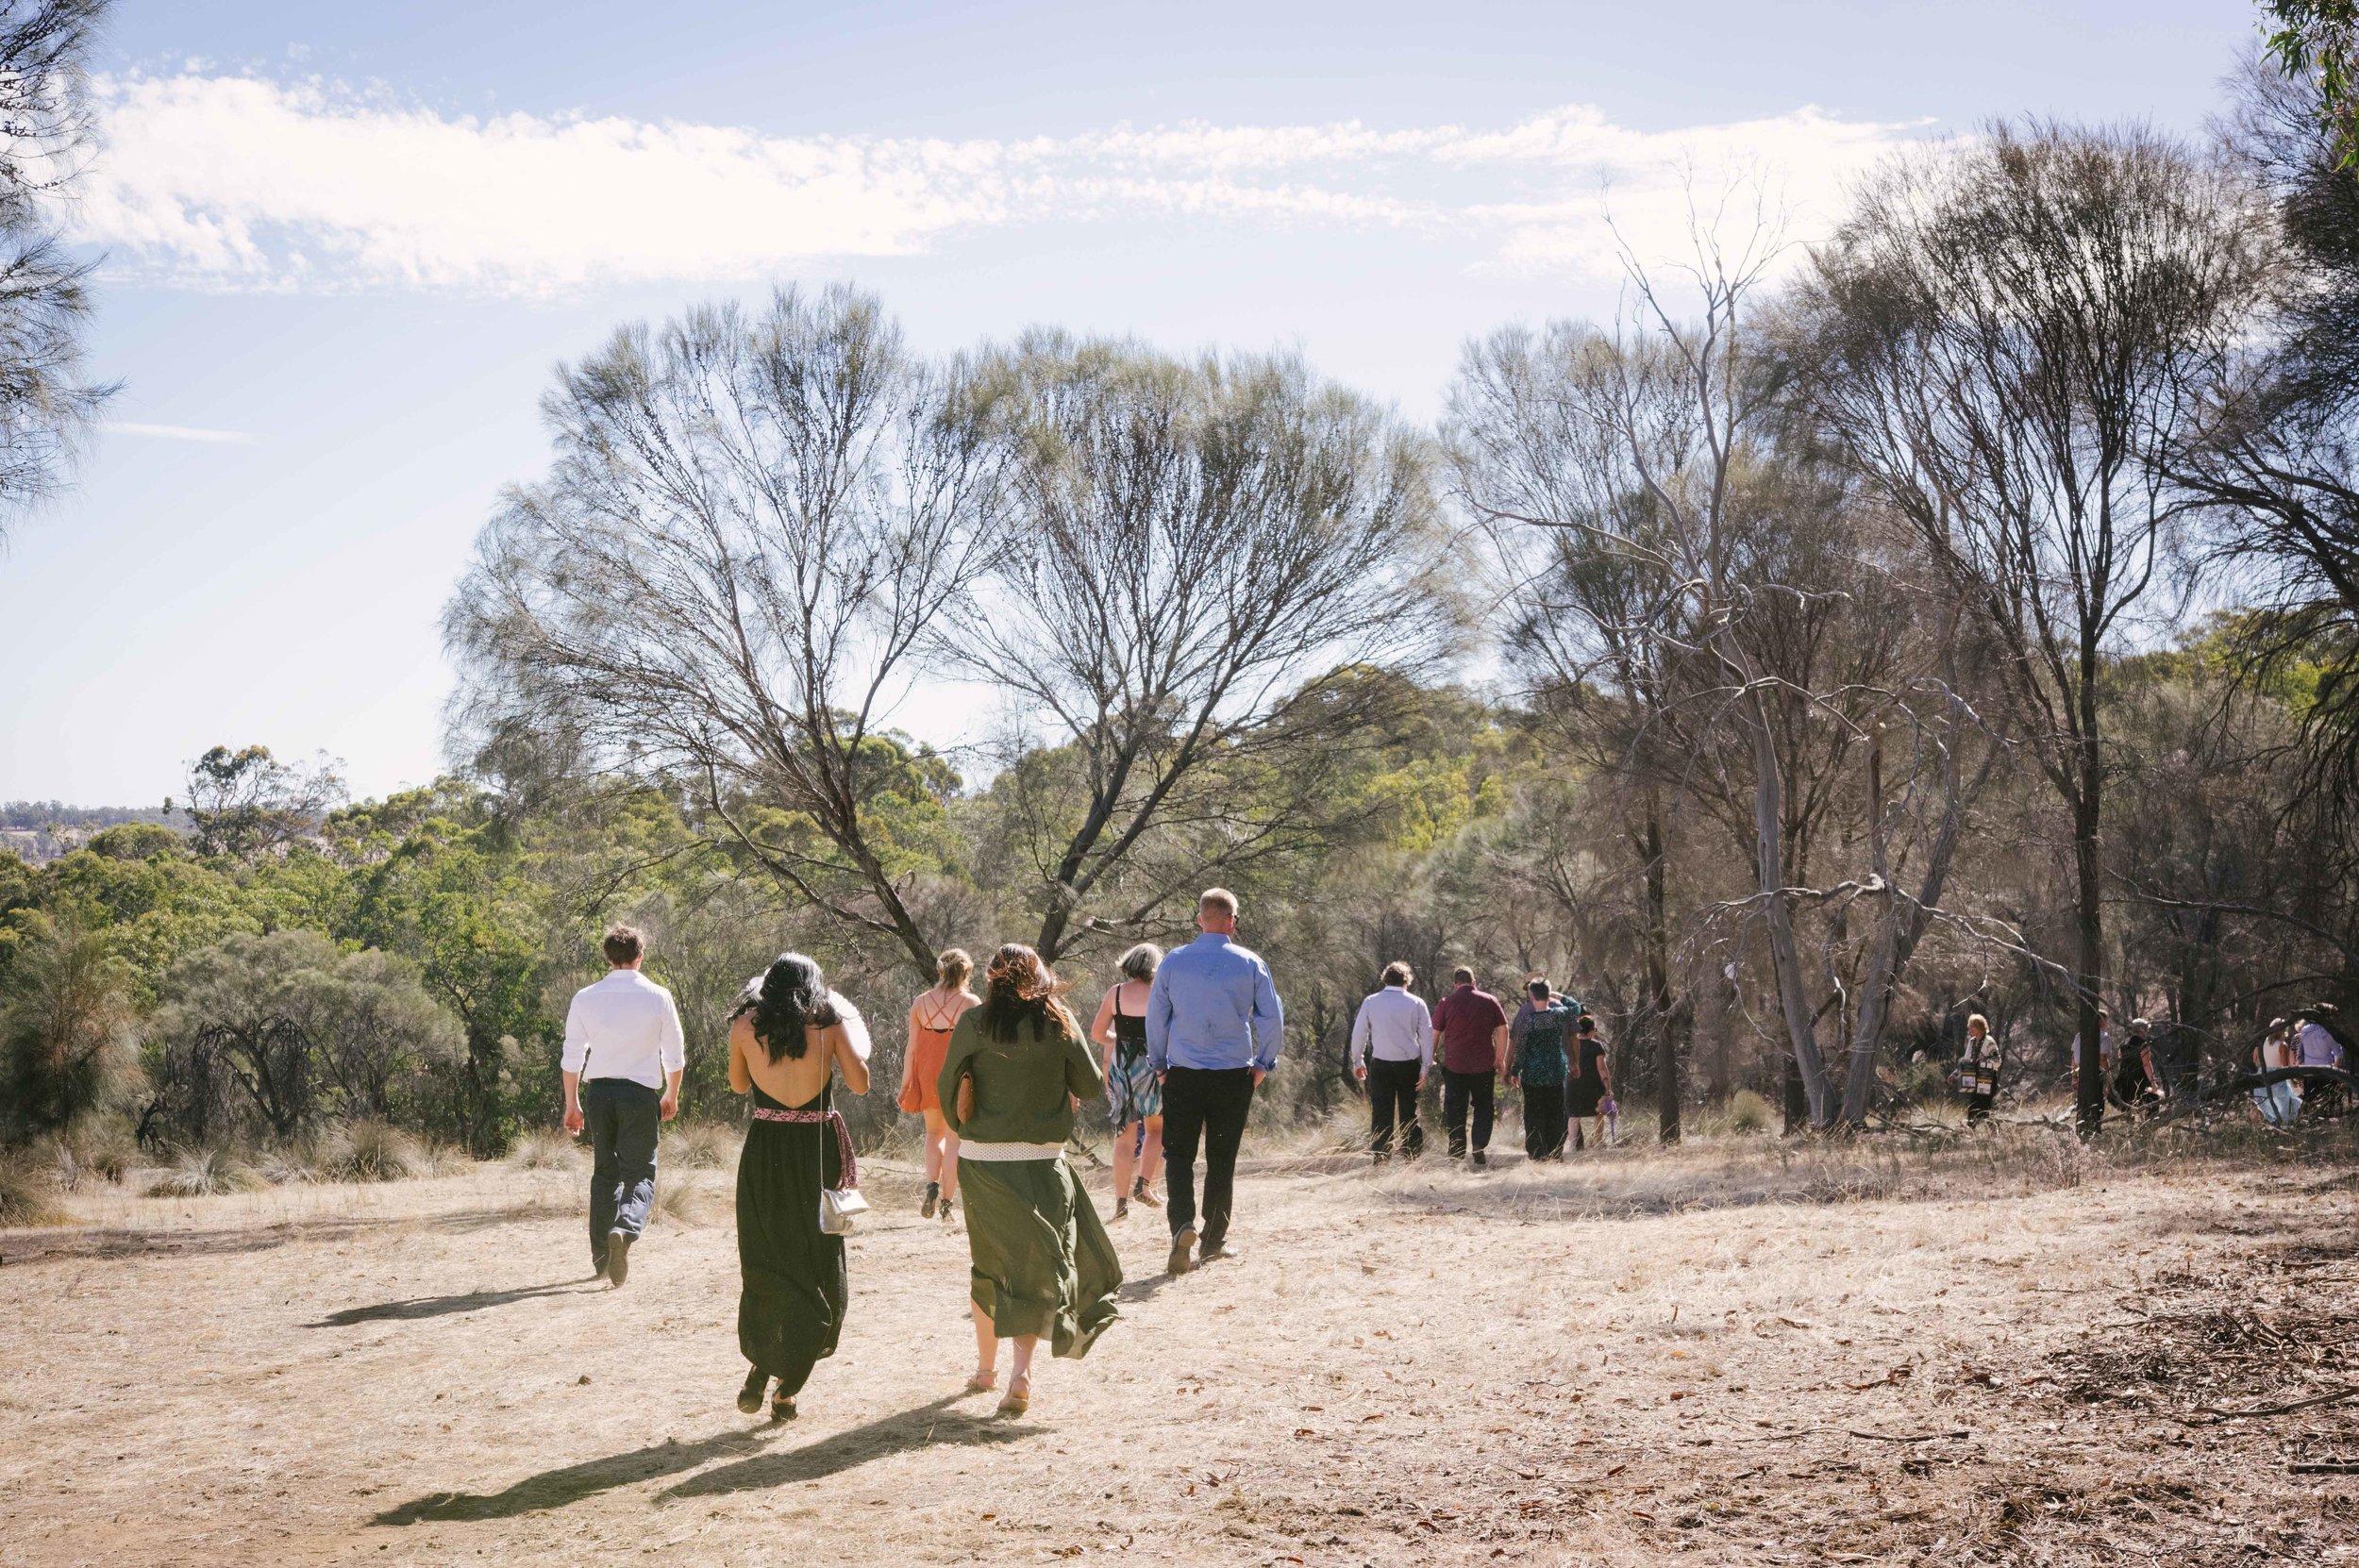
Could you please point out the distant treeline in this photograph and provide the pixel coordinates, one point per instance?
(56, 813)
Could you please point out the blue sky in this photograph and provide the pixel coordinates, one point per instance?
(346, 244)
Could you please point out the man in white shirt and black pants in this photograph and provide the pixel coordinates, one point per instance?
(623, 1055)
(1391, 1051)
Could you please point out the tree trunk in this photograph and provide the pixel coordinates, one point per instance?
(1658, 956)
(1785, 957)
(2090, 957)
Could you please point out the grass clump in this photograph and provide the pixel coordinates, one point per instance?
(689, 1203)
(28, 1194)
(546, 1150)
(1747, 1112)
(370, 1151)
(698, 1146)
(206, 1170)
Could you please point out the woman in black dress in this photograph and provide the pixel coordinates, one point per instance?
(788, 1039)
(1593, 1081)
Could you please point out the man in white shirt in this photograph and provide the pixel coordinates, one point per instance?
(622, 1060)
(1391, 1051)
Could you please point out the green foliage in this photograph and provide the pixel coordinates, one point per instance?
(66, 1026)
(136, 840)
(2320, 38)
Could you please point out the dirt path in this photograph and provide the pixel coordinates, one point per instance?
(1468, 1369)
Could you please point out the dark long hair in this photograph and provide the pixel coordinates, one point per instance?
(1019, 988)
(794, 996)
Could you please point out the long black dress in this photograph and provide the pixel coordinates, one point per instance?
(790, 1309)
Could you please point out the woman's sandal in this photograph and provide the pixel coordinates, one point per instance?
(1014, 1402)
(1122, 1209)
(749, 1397)
(945, 1212)
(983, 1383)
(783, 1407)
(933, 1196)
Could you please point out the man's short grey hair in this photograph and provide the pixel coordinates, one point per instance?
(1217, 901)
(1138, 963)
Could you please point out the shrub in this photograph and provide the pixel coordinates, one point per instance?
(1747, 1112)
(205, 1170)
(65, 1033)
(370, 1151)
(697, 1146)
(26, 1194)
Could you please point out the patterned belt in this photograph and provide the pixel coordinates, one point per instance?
(808, 1118)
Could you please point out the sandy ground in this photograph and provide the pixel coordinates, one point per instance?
(1708, 1356)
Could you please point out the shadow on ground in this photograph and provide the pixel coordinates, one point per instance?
(40, 1246)
(928, 1425)
(756, 1468)
(443, 1306)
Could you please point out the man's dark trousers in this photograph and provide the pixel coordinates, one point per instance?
(1392, 1095)
(1211, 1104)
(1544, 1120)
(621, 1118)
(1459, 1089)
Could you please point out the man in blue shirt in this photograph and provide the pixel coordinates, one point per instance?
(1213, 1027)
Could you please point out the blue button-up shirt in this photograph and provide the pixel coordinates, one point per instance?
(1214, 1006)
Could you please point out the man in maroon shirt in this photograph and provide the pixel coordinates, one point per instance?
(1472, 1027)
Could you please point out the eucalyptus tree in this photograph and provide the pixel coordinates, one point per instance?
(731, 575)
(47, 133)
(2001, 338)
(1216, 573)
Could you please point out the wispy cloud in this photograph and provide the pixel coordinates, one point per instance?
(245, 182)
(181, 432)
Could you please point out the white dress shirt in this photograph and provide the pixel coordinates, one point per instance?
(624, 1027)
(1396, 1026)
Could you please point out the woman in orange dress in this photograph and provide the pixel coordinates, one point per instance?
(932, 1016)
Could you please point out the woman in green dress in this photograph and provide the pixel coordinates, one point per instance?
(1041, 1263)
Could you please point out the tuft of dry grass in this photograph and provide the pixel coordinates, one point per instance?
(699, 1147)
(369, 1151)
(27, 1193)
(544, 1149)
(685, 1201)
(207, 1170)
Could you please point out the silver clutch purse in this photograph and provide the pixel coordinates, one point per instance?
(839, 1207)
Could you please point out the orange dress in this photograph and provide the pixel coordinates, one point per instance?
(928, 1049)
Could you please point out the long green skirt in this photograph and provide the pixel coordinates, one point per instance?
(1043, 1261)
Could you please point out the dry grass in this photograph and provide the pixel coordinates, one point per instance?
(699, 1146)
(28, 1193)
(1740, 1350)
(205, 1172)
(546, 1150)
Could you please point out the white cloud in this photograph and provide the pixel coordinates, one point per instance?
(181, 432)
(238, 181)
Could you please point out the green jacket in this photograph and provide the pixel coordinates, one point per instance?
(1023, 1087)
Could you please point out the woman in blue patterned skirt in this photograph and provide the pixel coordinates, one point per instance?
(1132, 1092)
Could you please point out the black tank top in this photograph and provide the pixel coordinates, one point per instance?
(1130, 1032)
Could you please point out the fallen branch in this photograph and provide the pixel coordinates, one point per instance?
(2338, 1467)
(1906, 1436)
(2350, 1392)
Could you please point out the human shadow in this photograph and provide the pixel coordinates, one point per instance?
(552, 1489)
(927, 1425)
(1141, 1290)
(443, 1305)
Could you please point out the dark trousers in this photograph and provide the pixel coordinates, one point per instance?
(1393, 1098)
(1211, 1104)
(1544, 1120)
(1459, 1091)
(621, 1118)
